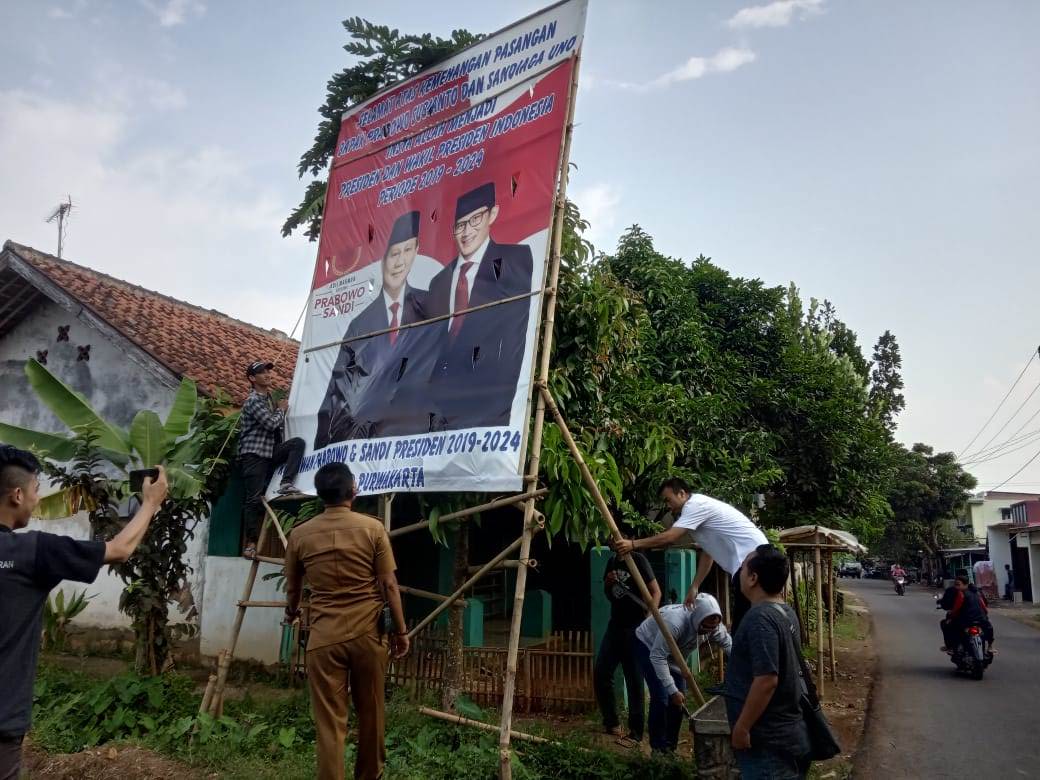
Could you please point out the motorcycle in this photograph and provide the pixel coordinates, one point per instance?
(901, 585)
(970, 655)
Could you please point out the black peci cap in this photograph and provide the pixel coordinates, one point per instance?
(405, 227)
(482, 197)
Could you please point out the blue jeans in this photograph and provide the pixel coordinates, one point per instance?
(665, 719)
(766, 764)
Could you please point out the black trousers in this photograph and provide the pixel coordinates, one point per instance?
(952, 630)
(10, 758)
(738, 603)
(615, 649)
(257, 473)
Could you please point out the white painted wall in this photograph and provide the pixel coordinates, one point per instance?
(999, 555)
(261, 631)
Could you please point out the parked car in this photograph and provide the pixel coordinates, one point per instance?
(850, 569)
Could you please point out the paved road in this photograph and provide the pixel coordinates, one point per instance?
(927, 722)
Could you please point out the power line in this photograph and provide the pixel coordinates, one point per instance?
(1011, 441)
(1001, 404)
(1026, 442)
(1013, 416)
(1023, 468)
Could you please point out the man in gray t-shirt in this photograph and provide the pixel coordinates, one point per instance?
(762, 686)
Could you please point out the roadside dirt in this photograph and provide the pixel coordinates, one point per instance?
(105, 763)
(847, 699)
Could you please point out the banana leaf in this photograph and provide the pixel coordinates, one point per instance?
(148, 437)
(70, 407)
(178, 421)
(49, 445)
(183, 482)
(63, 503)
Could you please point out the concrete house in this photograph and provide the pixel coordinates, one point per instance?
(125, 348)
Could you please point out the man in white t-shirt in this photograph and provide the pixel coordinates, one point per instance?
(724, 534)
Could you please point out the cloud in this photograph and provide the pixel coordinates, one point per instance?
(724, 61)
(776, 14)
(198, 223)
(117, 86)
(58, 13)
(599, 204)
(174, 12)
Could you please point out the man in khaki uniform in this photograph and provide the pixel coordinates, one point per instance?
(349, 566)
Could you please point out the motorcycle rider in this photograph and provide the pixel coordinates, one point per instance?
(896, 572)
(966, 607)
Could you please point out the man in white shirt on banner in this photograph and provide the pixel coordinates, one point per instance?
(725, 535)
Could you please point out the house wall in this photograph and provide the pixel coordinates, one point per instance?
(260, 638)
(115, 386)
(999, 555)
(1034, 564)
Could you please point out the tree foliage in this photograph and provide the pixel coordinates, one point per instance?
(886, 381)
(927, 490)
(384, 57)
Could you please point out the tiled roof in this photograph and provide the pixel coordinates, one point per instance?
(210, 347)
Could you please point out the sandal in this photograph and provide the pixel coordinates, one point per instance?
(626, 742)
(249, 553)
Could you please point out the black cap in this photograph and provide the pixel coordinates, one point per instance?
(482, 197)
(405, 227)
(257, 366)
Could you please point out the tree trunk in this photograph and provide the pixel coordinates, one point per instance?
(453, 665)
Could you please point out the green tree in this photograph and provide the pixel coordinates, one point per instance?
(886, 381)
(927, 490)
(385, 57)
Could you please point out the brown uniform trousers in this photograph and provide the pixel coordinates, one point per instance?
(342, 554)
(360, 665)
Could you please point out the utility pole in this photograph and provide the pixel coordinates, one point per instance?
(60, 214)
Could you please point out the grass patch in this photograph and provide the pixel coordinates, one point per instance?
(273, 737)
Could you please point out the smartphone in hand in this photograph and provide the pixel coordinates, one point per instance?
(137, 478)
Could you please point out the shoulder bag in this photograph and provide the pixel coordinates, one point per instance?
(823, 743)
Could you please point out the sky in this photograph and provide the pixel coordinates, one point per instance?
(884, 156)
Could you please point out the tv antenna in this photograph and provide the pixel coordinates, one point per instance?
(61, 213)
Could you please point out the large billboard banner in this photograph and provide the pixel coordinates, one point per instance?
(439, 208)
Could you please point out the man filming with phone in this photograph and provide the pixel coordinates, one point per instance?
(31, 565)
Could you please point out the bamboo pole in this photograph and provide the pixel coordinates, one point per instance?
(505, 767)
(818, 576)
(604, 510)
(277, 525)
(466, 513)
(461, 721)
(425, 594)
(449, 600)
(830, 614)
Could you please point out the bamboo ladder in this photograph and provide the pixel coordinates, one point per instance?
(213, 699)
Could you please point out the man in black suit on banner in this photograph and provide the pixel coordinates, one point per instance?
(397, 303)
(481, 352)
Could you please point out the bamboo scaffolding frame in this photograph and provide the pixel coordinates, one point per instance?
(462, 721)
(426, 594)
(449, 600)
(463, 514)
(615, 533)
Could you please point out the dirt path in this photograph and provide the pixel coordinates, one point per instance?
(107, 763)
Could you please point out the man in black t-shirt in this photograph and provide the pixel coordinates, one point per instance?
(31, 565)
(762, 687)
(627, 611)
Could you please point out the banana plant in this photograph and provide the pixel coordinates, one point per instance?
(149, 441)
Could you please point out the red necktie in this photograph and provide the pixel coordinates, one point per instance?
(461, 299)
(394, 323)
